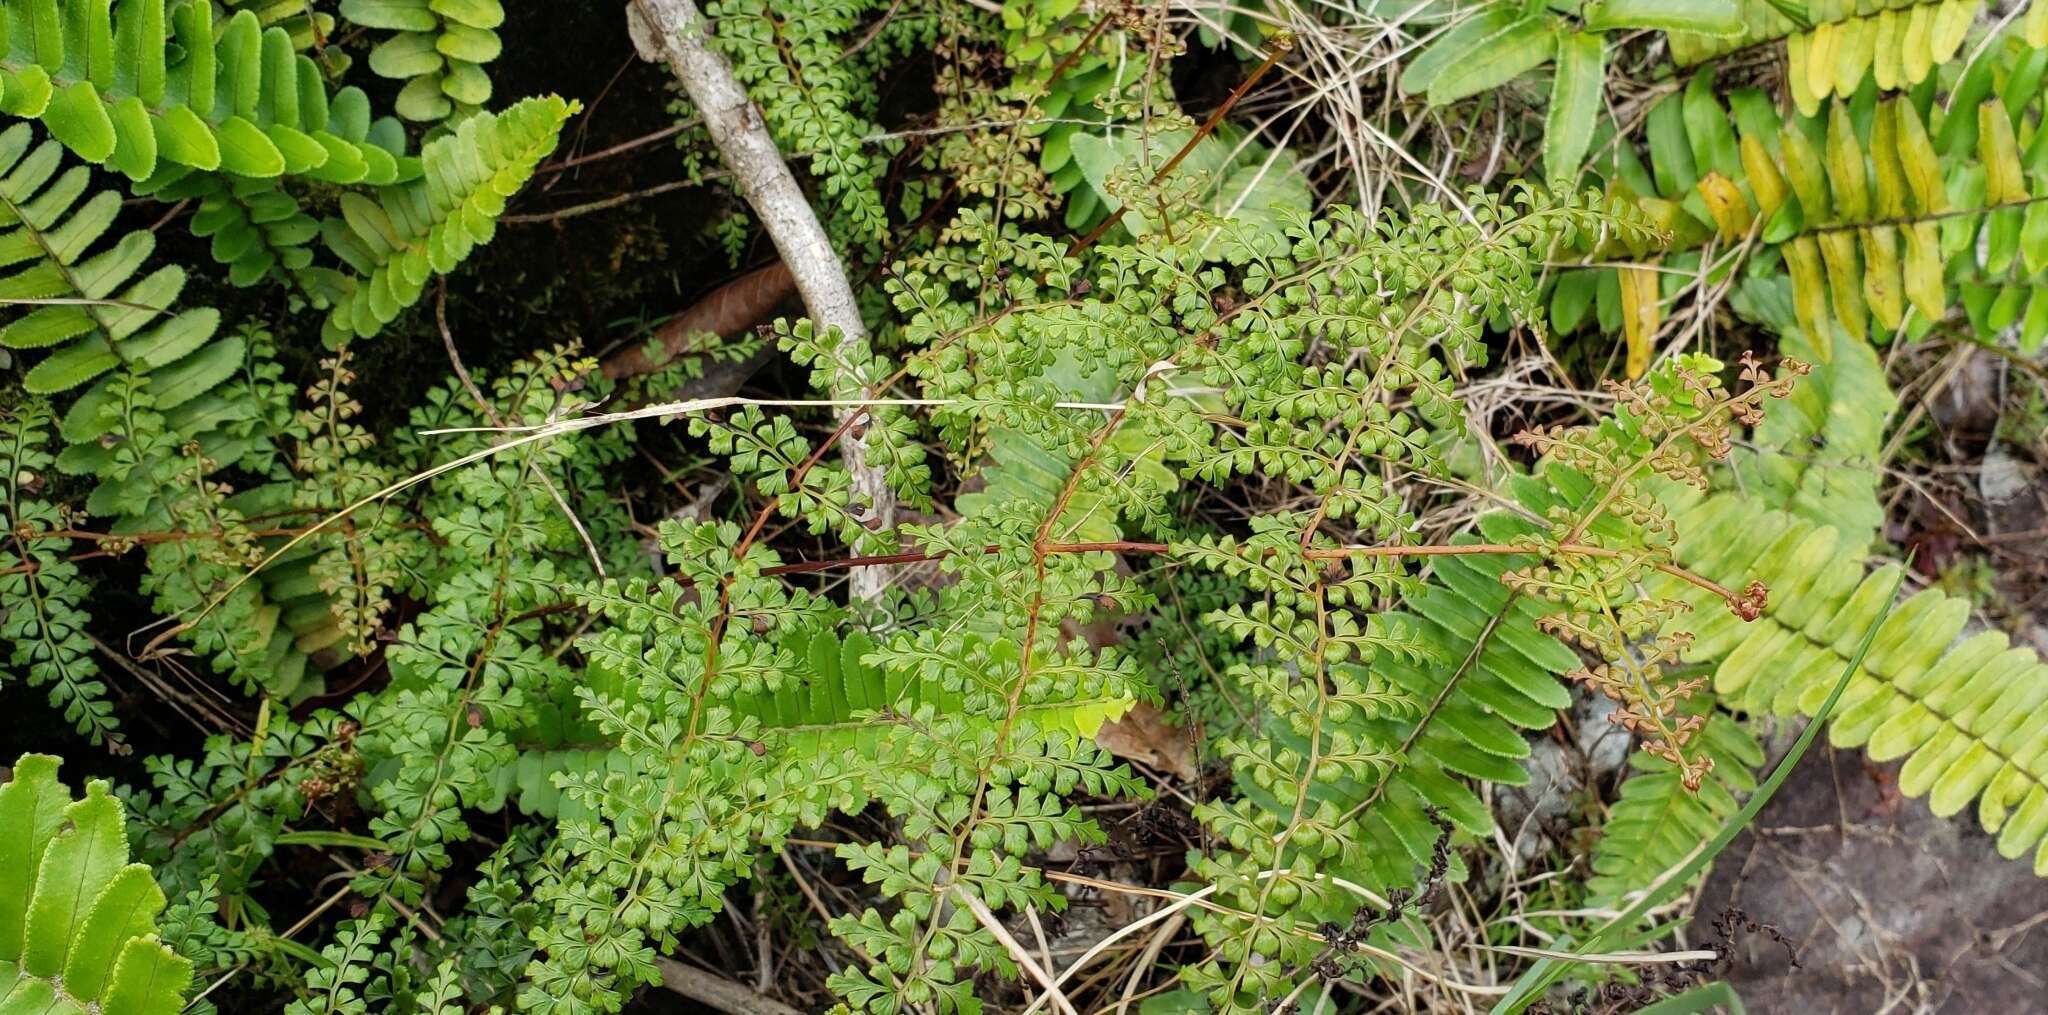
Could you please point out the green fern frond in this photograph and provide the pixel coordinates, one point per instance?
(1490, 676)
(839, 705)
(257, 228)
(413, 232)
(1881, 214)
(1816, 453)
(847, 703)
(1961, 713)
(1838, 42)
(439, 50)
(157, 86)
(54, 234)
(1658, 822)
(96, 312)
(77, 921)
(1022, 470)
(792, 60)
(41, 593)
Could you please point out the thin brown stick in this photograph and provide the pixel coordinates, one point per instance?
(605, 204)
(1280, 46)
(622, 147)
(716, 991)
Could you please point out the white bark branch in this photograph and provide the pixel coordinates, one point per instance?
(675, 32)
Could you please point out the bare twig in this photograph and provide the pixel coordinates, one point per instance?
(589, 207)
(676, 30)
(624, 146)
(732, 307)
(716, 991)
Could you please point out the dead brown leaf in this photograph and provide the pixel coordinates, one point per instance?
(1145, 736)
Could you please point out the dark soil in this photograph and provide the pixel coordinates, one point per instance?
(1889, 908)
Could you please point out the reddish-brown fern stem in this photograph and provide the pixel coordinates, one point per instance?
(1322, 553)
(796, 478)
(1280, 46)
(1059, 70)
(746, 543)
(162, 537)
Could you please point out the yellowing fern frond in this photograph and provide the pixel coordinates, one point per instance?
(1965, 714)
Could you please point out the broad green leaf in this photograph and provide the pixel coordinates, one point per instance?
(134, 139)
(77, 117)
(149, 979)
(474, 13)
(183, 138)
(1455, 46)
(423, 100)
(246, 150)
(174, 339)
(77, 865)
(460, 42)
(198, 373)
(467, 83)
(1571, 298)
(1575, 97)
(138, 53)
(1497, 59)
(399, 15)
(70, 367)
(25, 92)
(1721, 18)
(127, 908)
(31, 807)
(1707, 130)
(1671, 160)
(240, 52)
(406, 55)
(300, 152)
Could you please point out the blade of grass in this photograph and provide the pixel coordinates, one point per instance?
(1538, 978)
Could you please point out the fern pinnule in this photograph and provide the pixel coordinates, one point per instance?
(157, 86)
(1957, 710)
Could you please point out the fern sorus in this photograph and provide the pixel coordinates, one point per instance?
(77, 921)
